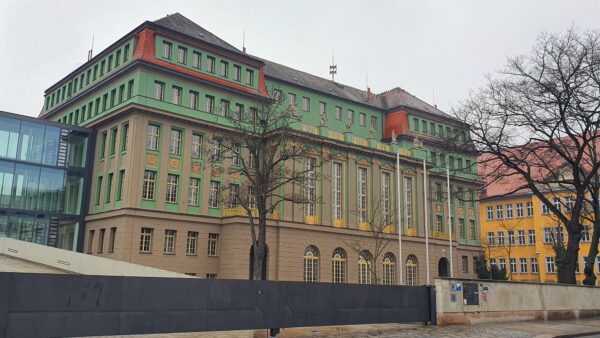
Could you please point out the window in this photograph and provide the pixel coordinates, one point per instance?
(386, 206)
(461, 224)
(193, 100)
(531, 233)
(521, 237)
(215, 153)
(465, 264)
(362, 195)
(523, 265)
(98, 188)
(129, 89)
(224, 68)
(167, 49)
(170, 242)
(351, 116)
(416, 124)
(364, 267)
(120, 180)
(534, 264)
(338, 113)
(473, 229)
(557, 204)
(408, 201)
(90, 241)
(311, 264)
(237, 72)
(172, 184)
(146, 240)
(490, 239)
(211, 276)
(509, 211)
(149, 184)
(550, 264)
(500, 237)
(322, 108)
(191, 243)
(101, 240)
(519, 210)
(251, 198)
(362, 119)
(102, 147)
(194, 192)
(338, 266)
(239, 111)
(311, 186)
(176, 99)
(585, 233)
(305, 104)
(545, 210)
(159, 91)
(529, 209)
(108, 188)
(196, 59)
(124, 136)
(412, 265)
(210, 64)
(249, 77)
(291, 100)
(511, 237)
(374, 122)
(502, 262)
(424, 126)
(389, 269)
(197, 140)
(492, 262)
(182, 55)
(569, 202)
(210, 104)
(548, 238)
(175, 142)
(235, 154)
(337, 190)
(111, 240)
(439, 192)
(224, 108)
(214, 193)
(499, 212)
(152, 136)
(490, 212)
(233, 193)
(213, 241)
(461, 196)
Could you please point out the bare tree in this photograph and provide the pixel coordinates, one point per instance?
(536, 125)
(378, 239)
(270, 163)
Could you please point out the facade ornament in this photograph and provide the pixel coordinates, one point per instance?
(293, 110)
(418, 143)
(372, 132)
(348, 125)
(394, 136)
(323, 118)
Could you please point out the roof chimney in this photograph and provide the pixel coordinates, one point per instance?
(369, 94)
(244, 49)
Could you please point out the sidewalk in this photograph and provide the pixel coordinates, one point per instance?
(526, 329)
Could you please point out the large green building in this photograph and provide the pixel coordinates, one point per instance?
(160, 97)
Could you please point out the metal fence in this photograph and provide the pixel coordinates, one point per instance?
(46, 305)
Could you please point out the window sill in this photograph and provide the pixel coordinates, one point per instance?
(145, 252)
(168, 254)
(213, 256)
(191, 255)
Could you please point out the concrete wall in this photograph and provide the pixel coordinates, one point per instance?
(78, 263)
(511, 301)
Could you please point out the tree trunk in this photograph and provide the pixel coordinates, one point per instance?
(566, 273)
(259, 247)
(590, 276)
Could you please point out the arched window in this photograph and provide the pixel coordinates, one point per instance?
(311, 264)
(338, 266)
(412, 269)
(389, 269)
(365, 260)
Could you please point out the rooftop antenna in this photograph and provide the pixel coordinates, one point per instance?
(434, 97)
(91, 51)
(244, 41)
(332, 68)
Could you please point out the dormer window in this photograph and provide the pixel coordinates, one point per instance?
(167, 49)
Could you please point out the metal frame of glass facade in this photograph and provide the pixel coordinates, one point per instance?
(45, 173)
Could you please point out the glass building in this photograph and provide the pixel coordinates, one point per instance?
(45, 170)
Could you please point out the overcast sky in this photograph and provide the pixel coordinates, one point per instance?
(425, 47)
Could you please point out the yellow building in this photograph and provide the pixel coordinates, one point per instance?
(517, 233)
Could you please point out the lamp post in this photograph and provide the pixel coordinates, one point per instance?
(399, 214)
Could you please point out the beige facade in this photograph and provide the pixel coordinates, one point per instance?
(288, 233)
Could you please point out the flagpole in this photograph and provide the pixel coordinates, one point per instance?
(449, 219)
(426, 217)
(399, 216)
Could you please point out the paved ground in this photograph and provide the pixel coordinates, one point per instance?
(537, 329)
